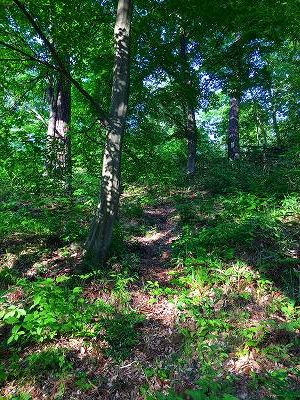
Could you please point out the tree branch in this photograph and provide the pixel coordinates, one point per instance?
(61, 65)
(28, 56)
(14, 59)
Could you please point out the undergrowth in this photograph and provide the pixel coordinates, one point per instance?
(233, 279)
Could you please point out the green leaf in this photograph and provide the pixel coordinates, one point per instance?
(77, 290)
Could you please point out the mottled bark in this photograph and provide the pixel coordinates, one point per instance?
(63, 130)
(233, 131)
(191, 127)
(100, 236)
(51, 128)
(59, 147)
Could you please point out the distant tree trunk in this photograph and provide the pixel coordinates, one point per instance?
(274, 117)
(192, 141)
(100, 235)
(191, 127)
(59, 146)
(276, 127)
(233, 131)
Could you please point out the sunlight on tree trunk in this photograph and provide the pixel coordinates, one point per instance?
(100, 236)
(59, 147)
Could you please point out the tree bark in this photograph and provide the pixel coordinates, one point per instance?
(192, 141)
(100, 236)
(59, 146)
(63, 130)
(191, 127)
(274, 117)
(50, 153)
(233, 131)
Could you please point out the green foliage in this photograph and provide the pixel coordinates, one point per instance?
(121, 334)
(281, 178)
(49, 310)
(210, 390)
(20, 396)
(245, 227)
(83, 382)
(48, 361)
(133, 209)
(8, 277)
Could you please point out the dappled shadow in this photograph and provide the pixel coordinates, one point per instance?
(40, 256)
(155, 247)
(270, 253)
(80, 369)
(242, 232)
(24, 262)
(273, 176)
(179, 345)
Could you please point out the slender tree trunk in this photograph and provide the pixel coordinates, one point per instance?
(63, 119)
(233, 131)
(274, 117)
(276, 127)
(100, 235)
(59, 146)
(51, 132)
(191, 127)
(192, 141)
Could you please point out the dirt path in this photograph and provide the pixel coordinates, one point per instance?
(155, 248)
(155, 251)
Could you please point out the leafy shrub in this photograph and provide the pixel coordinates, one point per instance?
(121, 334)
(52, 360)
(7, 278)
(50, 310)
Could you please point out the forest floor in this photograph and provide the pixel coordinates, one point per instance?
(198, 300)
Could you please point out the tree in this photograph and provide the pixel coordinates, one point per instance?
(100, 236)
(233, 129)
(191, 128)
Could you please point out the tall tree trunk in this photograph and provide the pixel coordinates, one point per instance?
(63, 120)
(100, 235)
(51, 132)
(59, 146)
(233, 131)
(274, 116)
(192, 141)
(191, 127)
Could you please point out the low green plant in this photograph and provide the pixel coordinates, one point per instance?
(52, 360)
(83, 382)
(50, 309)
(133, 209)
(121, 334)
(20, 396)
(8, 277)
